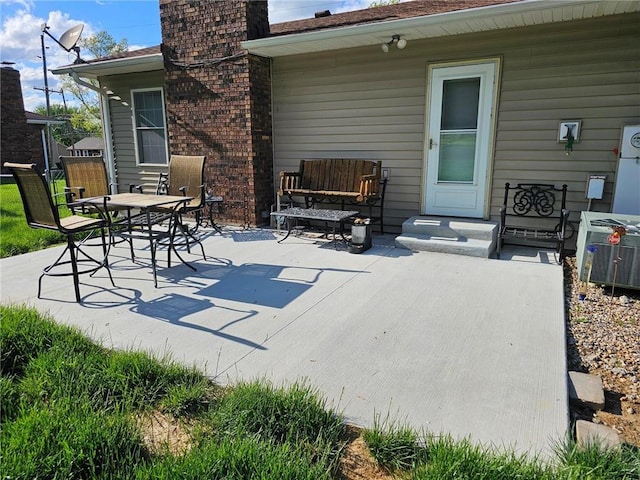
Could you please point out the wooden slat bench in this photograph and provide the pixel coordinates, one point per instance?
(534, 213)
(343, 181)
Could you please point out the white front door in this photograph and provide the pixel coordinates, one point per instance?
(459, 141)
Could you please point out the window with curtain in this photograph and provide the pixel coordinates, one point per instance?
(149, 126)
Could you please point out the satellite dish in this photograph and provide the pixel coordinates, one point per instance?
(69, 38)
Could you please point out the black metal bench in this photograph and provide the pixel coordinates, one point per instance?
(534, 214)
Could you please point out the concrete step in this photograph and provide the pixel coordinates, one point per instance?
(457, 246)
(586, 390)
(475, 238)
(446, 227)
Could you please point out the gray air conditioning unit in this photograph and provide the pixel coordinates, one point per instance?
(612, 264)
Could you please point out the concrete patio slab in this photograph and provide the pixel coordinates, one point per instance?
(462, 345)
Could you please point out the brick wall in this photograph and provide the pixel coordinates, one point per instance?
(15, 144)
(36, 148)
(218, 99)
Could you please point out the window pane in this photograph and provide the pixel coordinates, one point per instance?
(148, 109)
(460, 103)
(457, 154)
(151, 146)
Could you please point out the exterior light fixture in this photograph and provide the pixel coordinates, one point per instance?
(395, 39)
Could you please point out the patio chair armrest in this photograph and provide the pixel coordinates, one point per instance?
(68, 194)
(75, 191)
(104, 210)
(133, 186)
(503, 215)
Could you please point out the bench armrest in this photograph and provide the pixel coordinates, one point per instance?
(503, 216)
(564, 221)
(288, 181)
(369, 187)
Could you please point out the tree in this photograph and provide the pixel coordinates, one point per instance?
(103, 45)
(383, 3)
(86, 118)
(77, 124)
(99, 45)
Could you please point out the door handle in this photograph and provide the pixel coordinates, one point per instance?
(432, 144)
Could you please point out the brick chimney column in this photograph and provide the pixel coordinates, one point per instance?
(218, 99)
(15, 143)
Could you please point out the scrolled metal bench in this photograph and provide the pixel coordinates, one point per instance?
(536, 214)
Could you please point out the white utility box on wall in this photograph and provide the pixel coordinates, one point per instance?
(595, 228)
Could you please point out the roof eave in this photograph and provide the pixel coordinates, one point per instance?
(37, 121)
(117, 66)
(494, 17)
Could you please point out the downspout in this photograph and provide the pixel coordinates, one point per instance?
(105, 115)
(46, 150)
(278, 207)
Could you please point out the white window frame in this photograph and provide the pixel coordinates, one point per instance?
(135, 127)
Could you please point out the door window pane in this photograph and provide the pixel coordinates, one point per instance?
(457, 155)
(460, 103)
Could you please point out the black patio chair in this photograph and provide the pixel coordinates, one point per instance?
(41, 212)
(186, 178)
(86, 177)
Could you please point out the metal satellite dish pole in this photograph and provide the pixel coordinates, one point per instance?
(68, 41)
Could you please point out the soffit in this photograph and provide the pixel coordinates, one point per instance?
(482, 19)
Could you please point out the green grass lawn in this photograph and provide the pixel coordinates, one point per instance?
(16, 236)
(73, 409)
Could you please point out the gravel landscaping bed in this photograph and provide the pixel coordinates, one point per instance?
(603, 338)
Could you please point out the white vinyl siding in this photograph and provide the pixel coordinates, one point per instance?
(363, 103)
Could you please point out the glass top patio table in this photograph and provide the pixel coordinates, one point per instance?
(336, 217)
(148, 206)
(136, 200)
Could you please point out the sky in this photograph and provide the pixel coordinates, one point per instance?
(137, 21)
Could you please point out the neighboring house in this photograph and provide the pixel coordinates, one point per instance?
(22, 133)
(37, 137)
(87, 147)
(473, 100)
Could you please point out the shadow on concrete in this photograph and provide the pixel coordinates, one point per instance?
(173, 308)
(261, 284)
